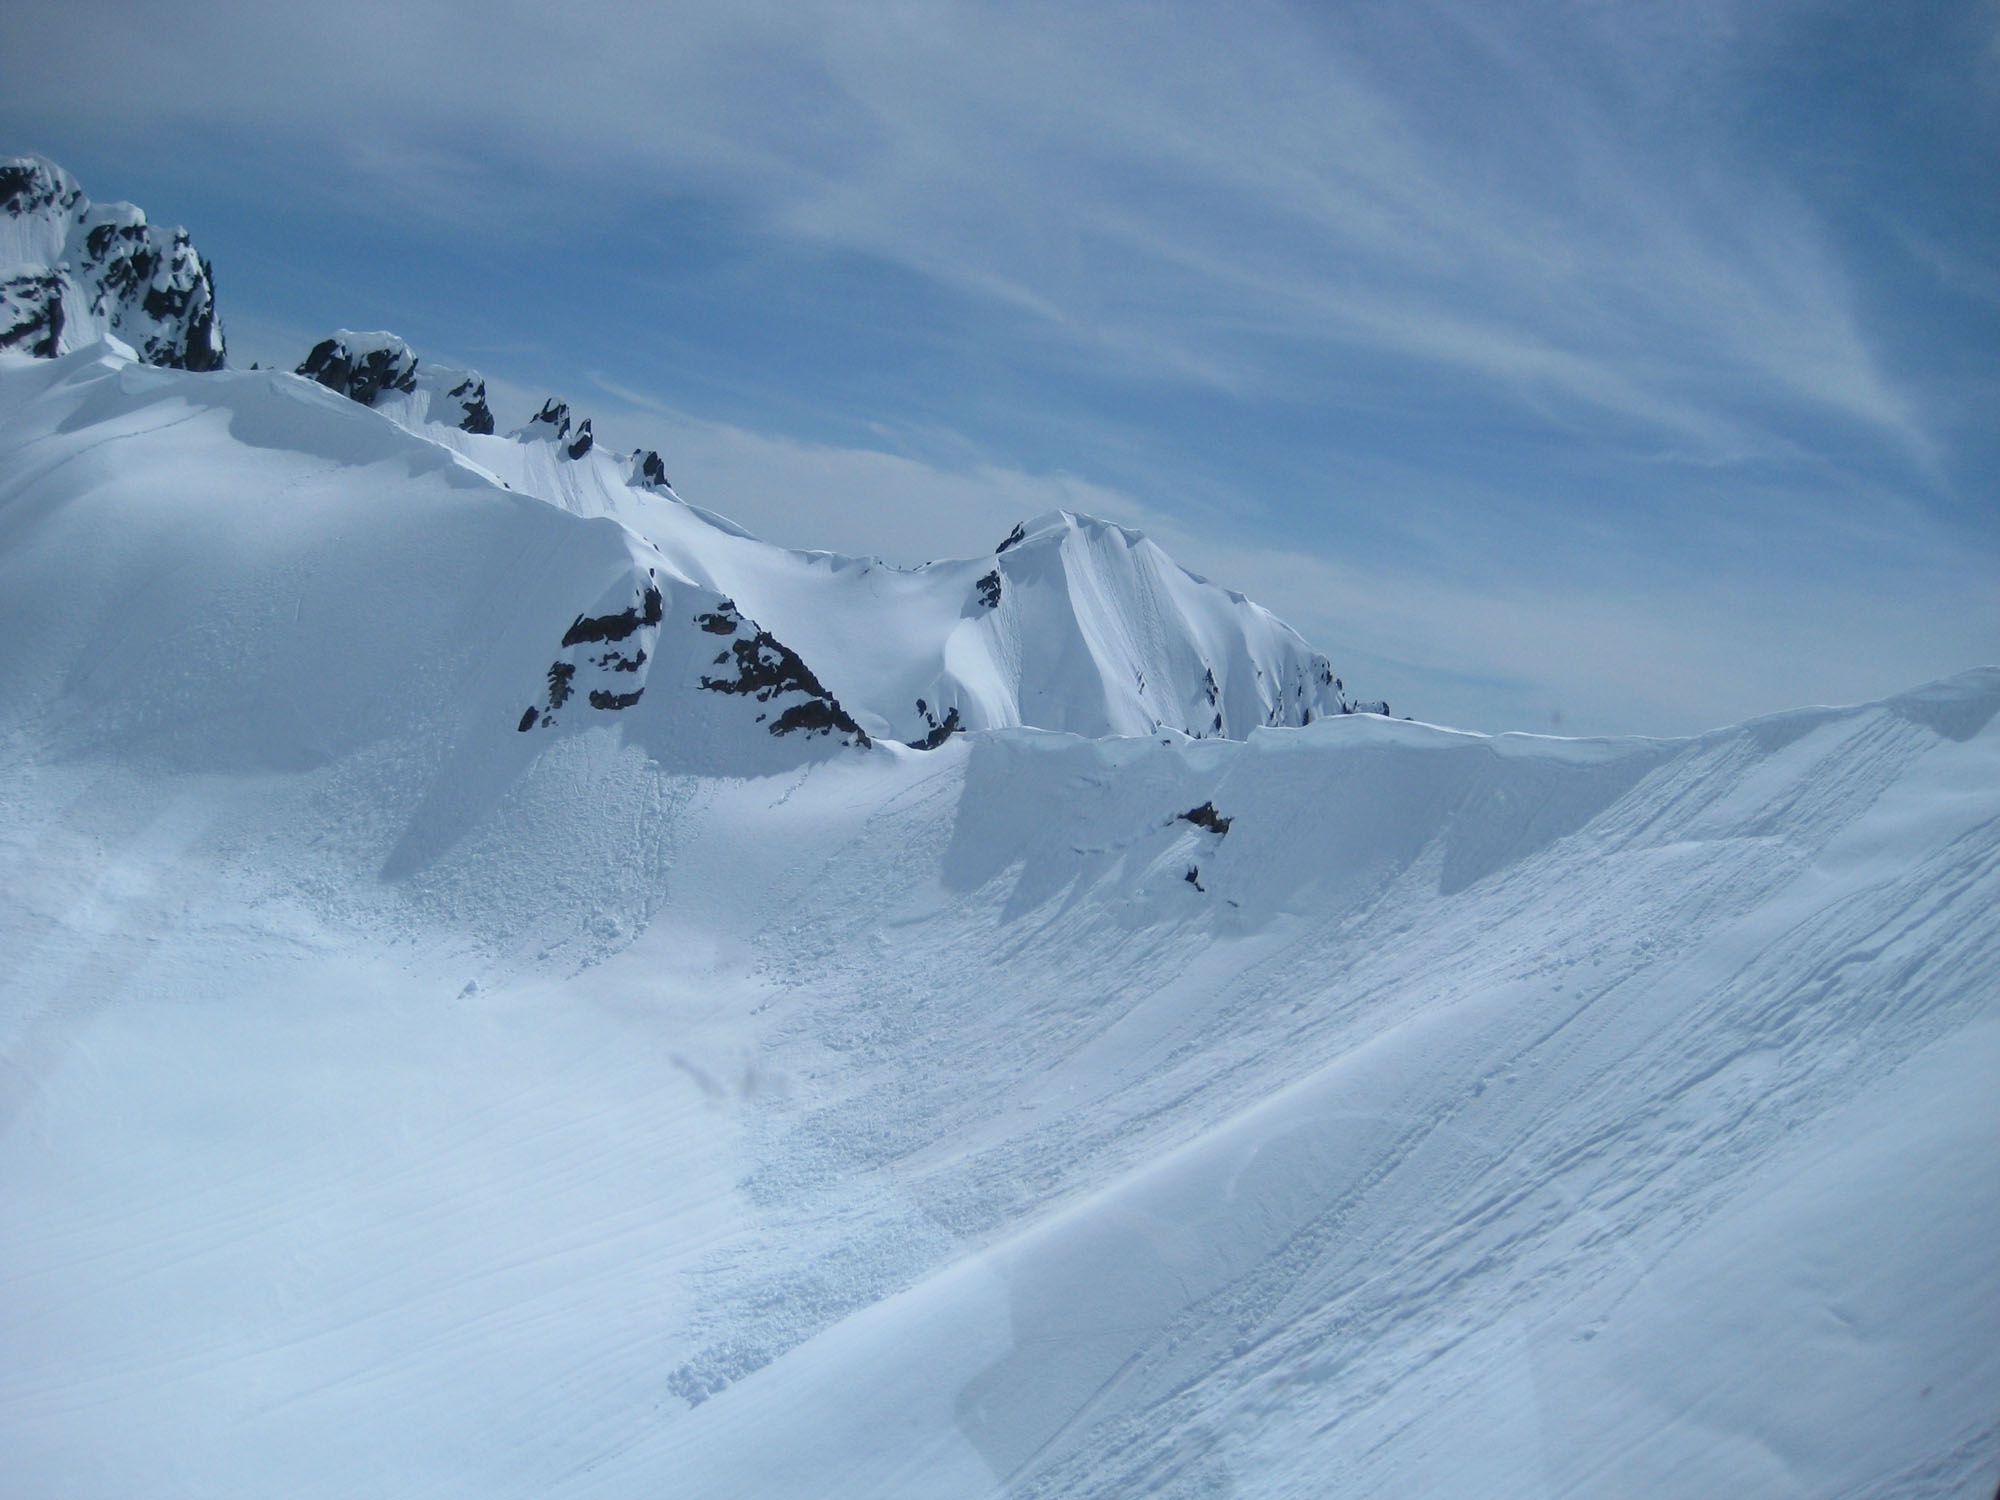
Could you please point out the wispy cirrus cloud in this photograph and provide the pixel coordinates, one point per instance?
(1158, 188)
(1571, 351)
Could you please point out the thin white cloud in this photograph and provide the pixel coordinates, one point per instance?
(856, 500)
(1492, 191)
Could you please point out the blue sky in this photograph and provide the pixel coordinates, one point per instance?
(1632, 367)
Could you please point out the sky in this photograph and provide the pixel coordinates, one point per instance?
(1580, 366)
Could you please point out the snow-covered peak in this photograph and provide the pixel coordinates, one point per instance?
(380, 370)
(1140, 640)
(72, 271)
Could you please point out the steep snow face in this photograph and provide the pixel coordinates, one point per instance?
(1072, 624)
(378, 369)
(1166, 649)
(73, 271)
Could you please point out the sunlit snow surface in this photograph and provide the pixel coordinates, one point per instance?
(397, 1103)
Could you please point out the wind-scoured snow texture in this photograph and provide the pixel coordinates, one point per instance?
(73, 271)
(378, 369)
(653, 1104)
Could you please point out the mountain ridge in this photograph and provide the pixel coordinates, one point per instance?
(1073, 624)
(512, 987)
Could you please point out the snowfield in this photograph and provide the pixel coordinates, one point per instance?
(424, 1078)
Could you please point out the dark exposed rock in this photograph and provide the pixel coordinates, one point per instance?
(1018, 535)
(588, 628)
(554, 424)
(102, 268)
(942, 730)
(554, 415)
(32, 308)
(765, 668)
(1193, 877)
(470, 393)
(1206, 816)
(365, 366)
(360, 375)
(648, 471)
(819, 716)
(560, 675)
(989, 589)
(28, 186)
(599, 682)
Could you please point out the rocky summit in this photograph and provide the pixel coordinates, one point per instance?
(73, 271)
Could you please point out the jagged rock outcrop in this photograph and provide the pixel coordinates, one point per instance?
(361, 366)
(73, 271)
(553, 424)
(939, 731)
(758, 664)
(469, 392)
(604, 658)
(379, 369)
(1207, 817)
(649, 472)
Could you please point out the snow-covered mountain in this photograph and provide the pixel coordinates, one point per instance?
(492, 1003)
(73, 271)
(1072, 624)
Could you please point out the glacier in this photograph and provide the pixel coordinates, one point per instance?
(421, 1081)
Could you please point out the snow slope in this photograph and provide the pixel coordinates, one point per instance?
(396, 1100)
